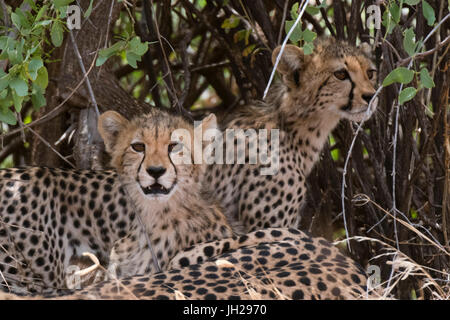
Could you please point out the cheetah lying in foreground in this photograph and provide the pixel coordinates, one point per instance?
(336, 81)
(49, 217)
(292, 265)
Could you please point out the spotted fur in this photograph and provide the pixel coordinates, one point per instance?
(317, 90)
(49, 217)
(267, 264)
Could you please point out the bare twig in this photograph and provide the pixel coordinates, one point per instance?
(426, 53)
(277, 61)
(53, 149)
(83, 69)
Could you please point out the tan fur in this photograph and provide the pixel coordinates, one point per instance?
(174, 221)
(306, 107)
(266, 264)
(49, 217)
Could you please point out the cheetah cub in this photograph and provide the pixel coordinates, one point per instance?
(50, 217)
(336, 81)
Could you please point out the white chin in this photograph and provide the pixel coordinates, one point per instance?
(358, 116)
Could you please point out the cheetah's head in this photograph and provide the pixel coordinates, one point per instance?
(336, 78)
(147, 156)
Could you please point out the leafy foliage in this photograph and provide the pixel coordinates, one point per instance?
(24, 44)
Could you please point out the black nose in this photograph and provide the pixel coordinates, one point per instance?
(156, 172)
(367, 97)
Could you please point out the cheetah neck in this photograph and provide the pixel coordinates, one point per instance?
(307, 125)
(180, 215)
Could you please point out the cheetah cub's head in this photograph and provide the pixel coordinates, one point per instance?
(144, 153)
(336, 78)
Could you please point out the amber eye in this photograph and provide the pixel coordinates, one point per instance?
(371, 73)
(342, 74)
(174, 147)
(138, 147)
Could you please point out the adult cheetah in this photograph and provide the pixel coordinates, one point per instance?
(49, 217)
(317, 90)
(291, 265)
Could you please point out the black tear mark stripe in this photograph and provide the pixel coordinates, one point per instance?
(350, 97)
(321, 86)
(297, 77)
(176, 172)
(139, 169)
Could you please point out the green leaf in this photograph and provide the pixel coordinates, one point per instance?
(20, 86)
(241, 35)
(231, 22)
(115, 48)
(408, 42)
(41, 12)
(425, 79)
(42, 78)
(407, 94)
(17, 101)
(37, 98)
(106, 53)
(248, 50)
(296, 33)
(312, 10)
(61, 3)
(4, 42)
(41, 23)
(56, 34)
(138, 47)
(16, 20)
(308, 48)
(387, 22)
(132, 58)
(33, 67)
(411, 2)
(100, 60)
(428, 13)
(294, 11)
(89, 10)
(32, 4)
(414, 214)
(7, 116)
(4, 81)
(335, 154)
(309, 35)
(395, 11)
(400, 74)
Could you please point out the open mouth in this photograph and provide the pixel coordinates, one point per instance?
(156, 189)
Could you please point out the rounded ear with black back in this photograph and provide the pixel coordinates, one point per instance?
(110, 124)
(366, 49)
(292, 62)
(209, 122)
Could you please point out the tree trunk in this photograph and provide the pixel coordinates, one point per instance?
(65, 74)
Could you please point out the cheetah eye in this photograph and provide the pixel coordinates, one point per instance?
(371, 73)
(342, 74)
(138, 147)
(175, 147)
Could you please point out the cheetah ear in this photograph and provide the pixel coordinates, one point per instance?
(110, 124)
(210, 122)
(292, 59)
(366, 49)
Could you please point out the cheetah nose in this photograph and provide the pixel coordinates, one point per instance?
(156, 172)
(367, 97)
